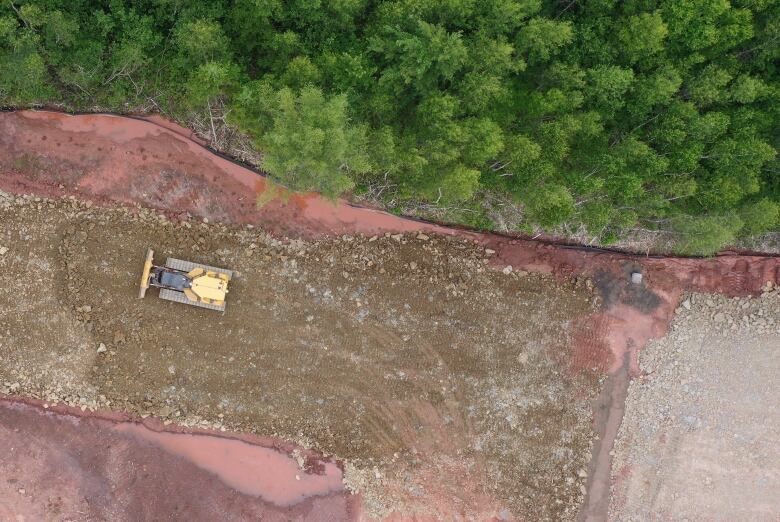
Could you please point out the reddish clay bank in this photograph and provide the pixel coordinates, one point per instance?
(133, 161)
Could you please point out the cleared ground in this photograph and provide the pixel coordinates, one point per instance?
(699, 440)
(437, 380)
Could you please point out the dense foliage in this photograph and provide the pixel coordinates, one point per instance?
(603, 115)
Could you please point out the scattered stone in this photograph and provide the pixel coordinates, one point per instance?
(165, 411)
(709, 384)
(102, 348)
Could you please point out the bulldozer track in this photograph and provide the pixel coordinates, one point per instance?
(187, 266)
(178, 297)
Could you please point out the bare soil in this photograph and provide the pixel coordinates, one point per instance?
(438, 381)
(699, 440)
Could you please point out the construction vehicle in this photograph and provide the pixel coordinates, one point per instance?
(185, 282)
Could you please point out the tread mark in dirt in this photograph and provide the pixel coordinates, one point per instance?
(734, 280)
(589, 348)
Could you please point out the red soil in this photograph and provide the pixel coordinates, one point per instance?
(63, 465)
(158, 164)
(111, 158)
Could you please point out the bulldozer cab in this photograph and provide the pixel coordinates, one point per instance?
(174, 280)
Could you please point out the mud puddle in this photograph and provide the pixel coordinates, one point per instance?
(252, 470)
(608, 409)
(60, 464)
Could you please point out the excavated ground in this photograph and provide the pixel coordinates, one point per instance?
(437, 380)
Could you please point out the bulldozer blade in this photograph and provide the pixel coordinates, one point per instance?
(145, 275)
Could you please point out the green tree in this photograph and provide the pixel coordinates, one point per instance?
(457, 185)
(24, 78)
(652, 90)
(520, 152)
(202, 41)
(301, 72)
(642, 35)
(747, 89)
(210, 80)
(548, 204)
(541, 39)
(706, 234)
(607, 87)
(423, 57)
(311, 145)
(759, 216)
(709, 86)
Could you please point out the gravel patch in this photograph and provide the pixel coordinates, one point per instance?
(699, 440)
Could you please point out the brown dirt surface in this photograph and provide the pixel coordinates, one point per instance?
(699, 440)
(437, 380)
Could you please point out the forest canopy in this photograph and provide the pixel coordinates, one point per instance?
(593, 117)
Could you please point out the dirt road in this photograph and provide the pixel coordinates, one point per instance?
(431, 376)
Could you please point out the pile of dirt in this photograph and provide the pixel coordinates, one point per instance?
(699, 440)
(437, 380)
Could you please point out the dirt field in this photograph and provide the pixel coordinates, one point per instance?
(439, 382)
(699, 439)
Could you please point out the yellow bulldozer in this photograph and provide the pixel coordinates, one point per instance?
(186, 282)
